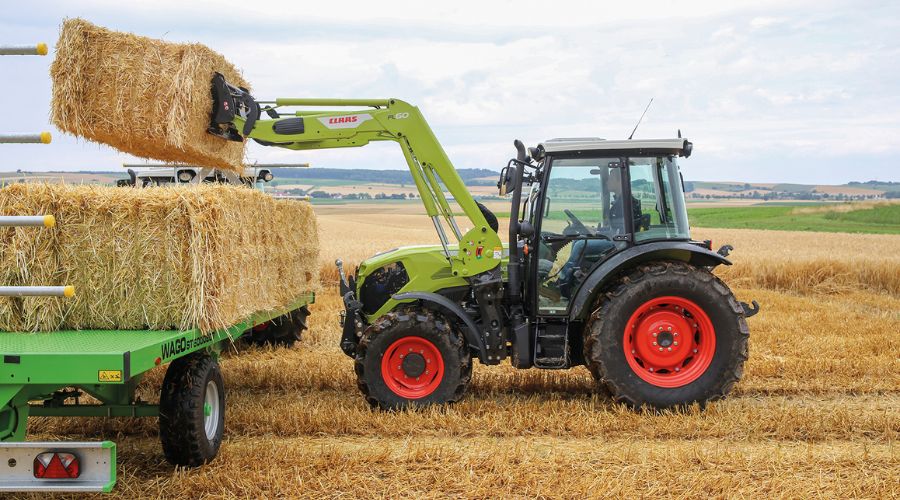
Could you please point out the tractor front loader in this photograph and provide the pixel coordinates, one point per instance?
(599, 268)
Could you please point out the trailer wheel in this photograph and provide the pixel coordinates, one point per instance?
(667, 335)
(192, 410)
(412, 358)
(282, 331)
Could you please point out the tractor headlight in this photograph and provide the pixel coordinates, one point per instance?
(266, 175)
(185, 175)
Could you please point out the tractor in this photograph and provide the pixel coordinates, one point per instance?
(599, 268)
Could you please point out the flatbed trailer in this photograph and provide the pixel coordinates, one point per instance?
(45, 374)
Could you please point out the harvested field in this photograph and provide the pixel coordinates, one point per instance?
(816, 414)
(158, 258)
(139, 95)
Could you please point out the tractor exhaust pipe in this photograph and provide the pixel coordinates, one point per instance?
(514, 266)
(522, 351)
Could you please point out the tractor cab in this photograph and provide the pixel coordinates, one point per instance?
(585, 213)
(591, 198)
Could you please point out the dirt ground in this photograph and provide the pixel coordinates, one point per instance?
(816, 414)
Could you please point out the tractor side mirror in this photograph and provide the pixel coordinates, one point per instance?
(505, 184)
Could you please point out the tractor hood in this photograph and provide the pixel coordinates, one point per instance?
(427, 252)
(420, 268)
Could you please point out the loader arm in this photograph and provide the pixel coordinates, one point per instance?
(477, 250)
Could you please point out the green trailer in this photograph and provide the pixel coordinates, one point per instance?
(48, 374)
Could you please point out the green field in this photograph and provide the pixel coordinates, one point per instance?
(868, 218)
(884, 219)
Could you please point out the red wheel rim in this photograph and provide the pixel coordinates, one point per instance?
(412, 367)
(669, 341)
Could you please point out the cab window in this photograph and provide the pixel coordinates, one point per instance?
(582, 213)
(659, 207)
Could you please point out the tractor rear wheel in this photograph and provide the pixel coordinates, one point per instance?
(412, 357)
(667, 335)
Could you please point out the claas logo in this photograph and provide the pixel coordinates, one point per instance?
(344, 119)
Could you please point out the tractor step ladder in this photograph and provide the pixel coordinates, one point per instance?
(551, 346)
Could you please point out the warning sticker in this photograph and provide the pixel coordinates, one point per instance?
(110, 376)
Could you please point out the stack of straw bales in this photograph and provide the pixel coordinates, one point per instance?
(142, 96)
(157, 258)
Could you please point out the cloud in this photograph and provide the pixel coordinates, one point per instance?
(753, 81)
(765, 22)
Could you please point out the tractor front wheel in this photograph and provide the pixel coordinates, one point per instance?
(667, 335)
(412, 358)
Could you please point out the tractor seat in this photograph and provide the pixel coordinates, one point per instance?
(584, 254)
(544, 268)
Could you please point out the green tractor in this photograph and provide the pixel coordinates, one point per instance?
(599, 269)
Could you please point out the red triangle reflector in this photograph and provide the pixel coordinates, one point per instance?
(60, 466)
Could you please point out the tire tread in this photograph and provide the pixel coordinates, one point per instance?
(183, 386)
(637, 276)
(424, 318)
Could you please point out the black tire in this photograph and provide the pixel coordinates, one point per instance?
(604, 336)
(282, 331)
(183, 431)
(411, 323)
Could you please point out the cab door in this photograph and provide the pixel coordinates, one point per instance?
(579, 221)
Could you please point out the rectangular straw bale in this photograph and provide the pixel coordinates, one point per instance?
(143, 96)
(157, 258)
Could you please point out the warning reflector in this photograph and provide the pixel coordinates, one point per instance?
(54, 465)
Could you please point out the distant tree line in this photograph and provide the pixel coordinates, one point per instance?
(350, 196)
(371, 175)
(873, 182)
(789, 195)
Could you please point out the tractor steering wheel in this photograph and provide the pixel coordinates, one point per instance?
(576, 224)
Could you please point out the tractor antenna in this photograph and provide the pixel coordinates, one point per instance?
(641, 118)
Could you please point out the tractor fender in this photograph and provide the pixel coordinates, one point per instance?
(471, 331)
(612, 268)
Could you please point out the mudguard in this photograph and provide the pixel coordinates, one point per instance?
(471, 332)
(611, 268)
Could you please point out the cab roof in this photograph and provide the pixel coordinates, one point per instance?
(677, 146)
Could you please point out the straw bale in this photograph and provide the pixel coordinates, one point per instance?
(139, 95)
(157, 258)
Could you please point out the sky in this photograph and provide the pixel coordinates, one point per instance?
(768, 91)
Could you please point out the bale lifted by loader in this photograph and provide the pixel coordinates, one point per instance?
(600, 269)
